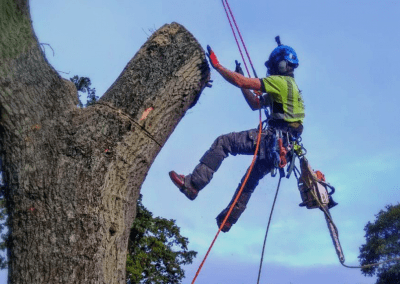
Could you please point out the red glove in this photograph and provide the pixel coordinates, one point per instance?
(213, 58)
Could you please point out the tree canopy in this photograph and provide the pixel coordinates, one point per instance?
(383, 243)
(156, 250)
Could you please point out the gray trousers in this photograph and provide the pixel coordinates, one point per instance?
(242, 143)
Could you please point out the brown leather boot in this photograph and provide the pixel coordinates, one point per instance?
(179, 181)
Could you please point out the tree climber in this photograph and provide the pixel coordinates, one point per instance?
(281, 94)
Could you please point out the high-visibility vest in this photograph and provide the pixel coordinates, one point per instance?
(284, 98)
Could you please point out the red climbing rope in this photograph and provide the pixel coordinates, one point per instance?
(234, 34)
(258, 137)
(241, 38)
(235, 201)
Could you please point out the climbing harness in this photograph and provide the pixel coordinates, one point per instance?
(282, 153)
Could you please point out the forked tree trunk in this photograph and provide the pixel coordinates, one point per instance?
(73, 175)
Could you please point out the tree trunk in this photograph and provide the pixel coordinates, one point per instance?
(73, 175)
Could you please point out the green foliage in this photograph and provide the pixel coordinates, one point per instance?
(83, 84)
(383, 243)
(156, 250)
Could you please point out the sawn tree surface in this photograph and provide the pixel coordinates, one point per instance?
(74, 174)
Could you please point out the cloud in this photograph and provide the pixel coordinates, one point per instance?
(236, 271)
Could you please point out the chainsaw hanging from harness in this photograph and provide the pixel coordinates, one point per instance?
(312, 183)
(283, 148)
(315, 192)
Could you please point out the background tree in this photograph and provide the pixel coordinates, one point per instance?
(83, 84)
(156, 250)
(73, 175)
(383, 243)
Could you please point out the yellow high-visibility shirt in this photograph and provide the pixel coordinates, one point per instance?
(284, 98)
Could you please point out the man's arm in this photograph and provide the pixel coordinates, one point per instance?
(232, 77)
(239, 80)
(251, 99)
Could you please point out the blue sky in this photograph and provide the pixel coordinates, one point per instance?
(348, 73)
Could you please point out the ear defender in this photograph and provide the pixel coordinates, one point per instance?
(282, 66)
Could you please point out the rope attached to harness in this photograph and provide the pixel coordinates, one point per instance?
(282, 174)
(234, 202)
(227, 7)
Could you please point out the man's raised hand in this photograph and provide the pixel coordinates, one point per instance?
(213, 58)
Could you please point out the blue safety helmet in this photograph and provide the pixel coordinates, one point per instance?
(282, 52)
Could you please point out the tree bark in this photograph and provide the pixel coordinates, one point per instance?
(73, 175)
